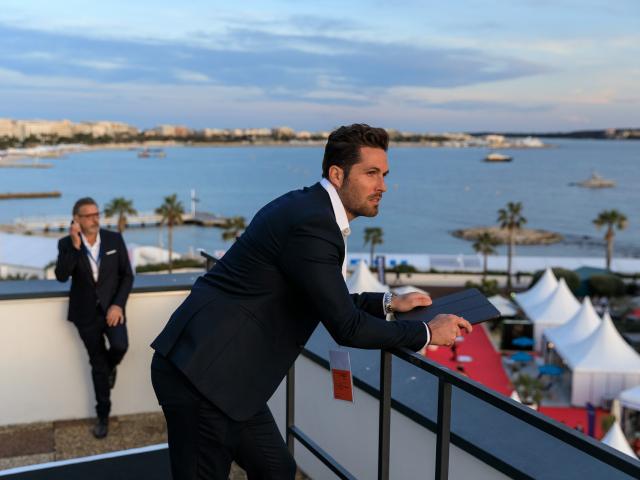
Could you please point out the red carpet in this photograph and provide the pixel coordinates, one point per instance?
(485, 366)
(573, 417)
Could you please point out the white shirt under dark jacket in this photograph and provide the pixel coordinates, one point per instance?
(93, 254)
(343, 224)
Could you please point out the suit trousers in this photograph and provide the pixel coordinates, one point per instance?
(203, 440)
(101, 359)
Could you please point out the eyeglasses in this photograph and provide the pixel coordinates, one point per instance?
(90, 215)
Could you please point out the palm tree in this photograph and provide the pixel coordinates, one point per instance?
(484, 245)
(171, 212)
(122, 207)
(611, 219)
(233, 228)
(372, 236)
(511, 218)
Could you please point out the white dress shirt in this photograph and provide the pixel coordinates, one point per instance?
(341, 218)
(343, 224)
(93, 254)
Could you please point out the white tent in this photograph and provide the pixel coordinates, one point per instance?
(544, 287)
(577, 328)
(504, 306)
(630, 398)
(555, 310)
(404, 289)
(148, 254)
(26, 254)
(616, 439)
(602, 365)
(362, 280)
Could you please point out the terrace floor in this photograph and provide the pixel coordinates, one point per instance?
(33, 443)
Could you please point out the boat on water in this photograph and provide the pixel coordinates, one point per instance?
(596, 181)
(497, 157)
(152, 152)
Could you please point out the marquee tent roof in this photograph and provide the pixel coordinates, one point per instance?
(603, 351)
(545, 285)
(27, 250)
(616, 439)
(504, 306)
(404, 289)
(362, 280)
(630, 398)
(556, 309)
(577, 328)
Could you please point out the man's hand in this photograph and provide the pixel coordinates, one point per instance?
(115, 316)
(409, 301)
(74, 233)
(446, 328)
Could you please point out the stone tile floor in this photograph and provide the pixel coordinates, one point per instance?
(28, 444)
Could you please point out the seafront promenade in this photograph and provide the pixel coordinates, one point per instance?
(30, 225)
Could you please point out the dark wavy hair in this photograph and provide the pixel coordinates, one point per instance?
(81, 203)
(343, 145)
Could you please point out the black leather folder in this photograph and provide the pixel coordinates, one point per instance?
(469, 304)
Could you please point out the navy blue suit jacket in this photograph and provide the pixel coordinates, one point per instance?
(245, 321)
(115, 277)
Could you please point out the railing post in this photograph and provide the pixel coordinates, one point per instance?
(384, 423)
(290, 414)
(444, 430)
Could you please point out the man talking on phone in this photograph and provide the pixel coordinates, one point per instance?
(101, 278)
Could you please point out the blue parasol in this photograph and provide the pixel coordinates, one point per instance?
(523, 342)
(521, 357)
(550, 369)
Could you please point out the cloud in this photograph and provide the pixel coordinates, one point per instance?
(191, 76)
(260, 59)
(488, 106)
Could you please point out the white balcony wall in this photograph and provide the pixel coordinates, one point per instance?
(349, 433)
(44, 367)
(45, 376)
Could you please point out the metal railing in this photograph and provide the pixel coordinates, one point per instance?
(446, 381)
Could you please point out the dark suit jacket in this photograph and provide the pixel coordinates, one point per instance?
(115, 277)
(245, 321)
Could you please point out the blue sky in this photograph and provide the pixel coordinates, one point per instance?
(470, 65)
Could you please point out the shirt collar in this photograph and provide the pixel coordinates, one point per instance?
(86, 243)
(338, 207)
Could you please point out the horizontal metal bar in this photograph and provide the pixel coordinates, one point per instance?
(323, 456)
(549, 426)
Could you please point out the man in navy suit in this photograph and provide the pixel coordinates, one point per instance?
(101, 278)
(228, 346)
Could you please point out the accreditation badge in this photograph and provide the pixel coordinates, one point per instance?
(340, 365)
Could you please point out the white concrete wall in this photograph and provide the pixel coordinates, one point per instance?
(349, 432)
(45, 376)
(44, 368)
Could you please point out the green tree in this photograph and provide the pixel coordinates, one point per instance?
(511, 218)
(373, 237)
(611, 219)
(485, 245)
(171, 212)
(121, 207)
(233, 228)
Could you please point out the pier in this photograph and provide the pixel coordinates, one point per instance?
(27, 195)
(61, 223)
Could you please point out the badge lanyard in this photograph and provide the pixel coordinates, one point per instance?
(96, 261)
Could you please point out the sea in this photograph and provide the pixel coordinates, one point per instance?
(431, 191)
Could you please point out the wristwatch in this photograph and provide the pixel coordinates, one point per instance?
(386, 302)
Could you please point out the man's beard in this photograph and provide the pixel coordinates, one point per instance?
(363, 209)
